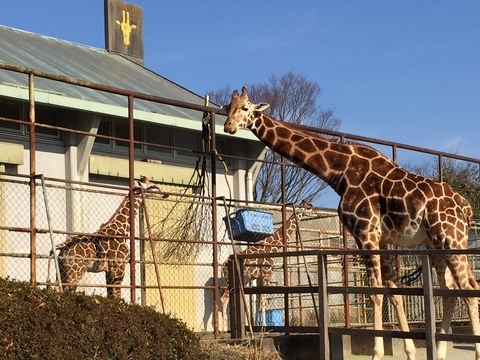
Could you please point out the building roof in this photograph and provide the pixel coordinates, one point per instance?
(87, 63)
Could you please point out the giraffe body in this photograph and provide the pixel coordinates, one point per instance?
(261, 269)
(107, 249)
(380, 204)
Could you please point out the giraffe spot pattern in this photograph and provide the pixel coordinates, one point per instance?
(399, 208)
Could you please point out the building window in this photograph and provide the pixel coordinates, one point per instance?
(186, 141)
(47, 117)
(160, 143)
(10, 111)
(104, 129)
(121, 131)
(161, 137)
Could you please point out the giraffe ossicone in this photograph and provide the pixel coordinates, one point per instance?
(106, 250)
(380, 204)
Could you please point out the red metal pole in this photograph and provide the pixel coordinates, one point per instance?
(131, 178)
(286, 280)
(213, 159)
(33, 221)
(346, 297)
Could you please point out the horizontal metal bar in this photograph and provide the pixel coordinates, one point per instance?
(415, 291)
(386, 333)
(343, 252)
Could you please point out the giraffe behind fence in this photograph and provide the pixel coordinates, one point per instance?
(106, 250)
(380, 203)
(261, 269)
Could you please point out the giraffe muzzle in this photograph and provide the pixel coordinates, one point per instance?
(229, 127)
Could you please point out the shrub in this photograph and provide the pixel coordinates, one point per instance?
(44, 324)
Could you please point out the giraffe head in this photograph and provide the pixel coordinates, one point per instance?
(151, 189)
(241, 112)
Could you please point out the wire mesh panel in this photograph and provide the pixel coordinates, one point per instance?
(317, 229)
(15, 214)
(180, 280)
(175, 250)
(86, 210)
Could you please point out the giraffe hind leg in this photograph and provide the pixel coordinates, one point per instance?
(71, 272)
(466, 281)
(389, 275)
(114, 278)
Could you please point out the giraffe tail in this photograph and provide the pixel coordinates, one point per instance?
(411, 277)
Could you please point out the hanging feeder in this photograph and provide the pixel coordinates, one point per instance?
(249, 224)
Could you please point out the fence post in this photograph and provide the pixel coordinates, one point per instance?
(237, 308)
(429, 308)
(33, 171)
(131, 176)
(324, 345)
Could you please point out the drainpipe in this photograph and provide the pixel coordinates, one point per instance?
(249, 185)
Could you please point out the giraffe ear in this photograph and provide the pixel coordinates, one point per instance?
(262, 106)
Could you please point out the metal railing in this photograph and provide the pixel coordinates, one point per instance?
(31, 228)
(323, 289)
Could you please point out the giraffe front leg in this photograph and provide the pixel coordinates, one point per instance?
(263, 306)
(224, 299)
(102, 262)
(264, 281)
(378, 347)
(448, 304)
(373, 267)
(446, 281)
(397, 303)
(389, 275)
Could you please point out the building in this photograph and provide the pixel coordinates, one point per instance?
(66, 114)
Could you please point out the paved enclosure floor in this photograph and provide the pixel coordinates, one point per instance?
(455, 352)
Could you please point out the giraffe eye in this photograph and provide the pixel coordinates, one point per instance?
(245, 108)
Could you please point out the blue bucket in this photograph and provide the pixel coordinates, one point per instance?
(274, 317)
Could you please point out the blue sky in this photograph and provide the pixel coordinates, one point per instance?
(404, 71)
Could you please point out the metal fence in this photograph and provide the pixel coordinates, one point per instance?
(178, 244)
(324, 289)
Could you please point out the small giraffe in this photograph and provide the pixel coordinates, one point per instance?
(99, 252)
(261, 269)
(380, 204)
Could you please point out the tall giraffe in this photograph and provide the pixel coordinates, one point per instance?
(261, 268)
(101, 252)
(380, 204)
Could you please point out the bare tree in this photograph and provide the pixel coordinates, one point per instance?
(292, 98)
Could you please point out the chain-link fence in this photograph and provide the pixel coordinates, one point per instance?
(174, 251)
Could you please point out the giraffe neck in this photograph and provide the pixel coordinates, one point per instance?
(325, 158)
(275, 241)
(119, 223)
